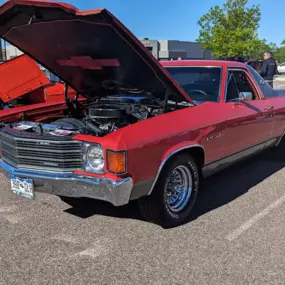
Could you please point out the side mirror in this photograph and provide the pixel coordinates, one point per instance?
(245, 96)
(261, 82)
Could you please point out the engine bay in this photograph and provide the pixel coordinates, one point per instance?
(97, 118)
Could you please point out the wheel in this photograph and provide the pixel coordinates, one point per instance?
(174, 194)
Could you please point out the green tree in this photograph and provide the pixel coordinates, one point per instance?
(261, 47)
(279, 54)
(231, 29)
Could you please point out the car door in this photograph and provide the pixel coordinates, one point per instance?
(276, 101)
(249, 121)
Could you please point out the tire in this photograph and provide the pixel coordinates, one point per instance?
(157, 207)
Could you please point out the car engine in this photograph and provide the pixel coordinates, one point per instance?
(99, 118)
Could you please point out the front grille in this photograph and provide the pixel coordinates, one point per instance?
(49, 155)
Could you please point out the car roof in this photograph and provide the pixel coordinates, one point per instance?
(222, 63)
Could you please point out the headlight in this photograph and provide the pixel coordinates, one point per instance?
(94, 159)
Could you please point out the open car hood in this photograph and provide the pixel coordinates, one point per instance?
(86, 49)
(20, 76)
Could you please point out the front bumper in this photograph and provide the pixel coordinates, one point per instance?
(70, 185)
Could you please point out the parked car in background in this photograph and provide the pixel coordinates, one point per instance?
(281, 68)
(149, 131)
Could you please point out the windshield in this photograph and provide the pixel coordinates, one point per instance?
(202, 84)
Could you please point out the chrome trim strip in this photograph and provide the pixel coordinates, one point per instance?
(279, 140)
(166, 159)
(35, 174)
(71, 185)
(185, 66)
(51, 159)
(38, 139)
(49, 150)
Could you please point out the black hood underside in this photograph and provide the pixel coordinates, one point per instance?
(87, 50)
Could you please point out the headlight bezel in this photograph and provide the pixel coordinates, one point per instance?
(88, 147)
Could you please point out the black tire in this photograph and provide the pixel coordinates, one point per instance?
(70, 122)
(155, 207)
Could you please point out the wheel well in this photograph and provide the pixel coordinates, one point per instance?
(197, 153)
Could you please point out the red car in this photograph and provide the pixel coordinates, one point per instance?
(148, 131)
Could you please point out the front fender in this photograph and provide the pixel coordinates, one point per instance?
(179, 147)
(169, 153)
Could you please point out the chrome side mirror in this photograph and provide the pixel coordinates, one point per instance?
(245, 96)
(261, 82)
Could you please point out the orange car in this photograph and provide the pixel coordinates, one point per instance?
(22, 82)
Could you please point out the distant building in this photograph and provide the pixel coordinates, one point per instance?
(170, 49)
(160, 49)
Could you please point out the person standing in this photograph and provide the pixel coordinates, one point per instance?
(268, 68)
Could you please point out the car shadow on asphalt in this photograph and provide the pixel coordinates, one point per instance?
(237, 180)
(218, 190)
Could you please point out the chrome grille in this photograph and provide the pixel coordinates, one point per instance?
(60, 156)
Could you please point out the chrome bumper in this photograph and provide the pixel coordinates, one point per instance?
(70, 185)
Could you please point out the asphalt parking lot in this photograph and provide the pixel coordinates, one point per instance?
(236, 236)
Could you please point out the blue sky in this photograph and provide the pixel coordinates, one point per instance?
(177, 19)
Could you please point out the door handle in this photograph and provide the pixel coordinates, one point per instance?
(268, 108)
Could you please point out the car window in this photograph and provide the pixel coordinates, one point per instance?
(202, 84)
(238, 81)
(243, 83)
(266, 89)
(232, 92)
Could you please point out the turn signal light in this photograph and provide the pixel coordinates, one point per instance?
(116, 161)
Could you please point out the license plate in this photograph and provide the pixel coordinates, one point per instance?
(22, 187)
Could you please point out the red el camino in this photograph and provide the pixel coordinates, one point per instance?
(148, 131)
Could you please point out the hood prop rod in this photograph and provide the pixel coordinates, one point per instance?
(166, 100)
(72, 105)
(66, 92)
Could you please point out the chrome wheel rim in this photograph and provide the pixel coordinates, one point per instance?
(179, 188)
